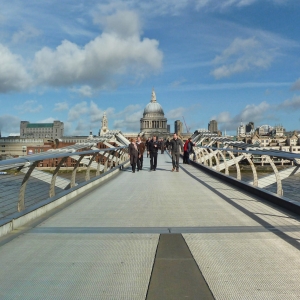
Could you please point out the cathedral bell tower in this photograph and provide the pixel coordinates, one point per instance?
(104, 128)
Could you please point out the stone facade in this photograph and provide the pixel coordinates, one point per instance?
(153, 121)
(53, 130)
(104, 127)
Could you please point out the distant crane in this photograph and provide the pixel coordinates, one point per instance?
(187, 129)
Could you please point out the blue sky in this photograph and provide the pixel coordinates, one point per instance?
(229, 60)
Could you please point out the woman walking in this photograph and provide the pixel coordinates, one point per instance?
(133, 153)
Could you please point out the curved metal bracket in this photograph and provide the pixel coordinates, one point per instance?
(238, 170)
(87, 175)
(277, 176)
(73, 183)
(225, 163)
(53, 180)
(21, 202)
(208, 159)
(99, 164)
(255, 178)
(214, 153)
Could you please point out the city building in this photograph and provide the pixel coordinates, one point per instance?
(250, 127)
(213, 126)
(15, 146)
(178, 127)
(278, 130)
(153, 121)
(53, 130)
(241, 130)
(264, 129)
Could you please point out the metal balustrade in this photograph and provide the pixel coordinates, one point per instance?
(232, 161)
(24, 183)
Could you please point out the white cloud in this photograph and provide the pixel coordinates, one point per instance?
(176, 113)
(101, 61)
(85, 91)
(48, 120)
(252, 112)
(177, 83)
(9, 123)
(61, 106)
(78, 111)
(13, 75)
(296, 85)
(227, 4)
(130, 123)
(242, 55)
(290, 104)
(128, 119)
(28, 32)
(29, 106)
(175, 7)
(96, 114)
(123, 23)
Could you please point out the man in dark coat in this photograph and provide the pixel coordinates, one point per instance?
(176, 147)
(133, 153)
(141, 149)
(153, 149)
(147, 145)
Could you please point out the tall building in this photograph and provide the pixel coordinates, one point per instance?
(278, 130)
(53, 130)
(104, 127)
(178, 126)
(241, 130)
(153, 121)
(250, 127)
(213, 126)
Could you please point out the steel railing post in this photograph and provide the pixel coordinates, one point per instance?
(87, 175)
(53, 180)
(277, 176)
(73, 178)
(21, 202)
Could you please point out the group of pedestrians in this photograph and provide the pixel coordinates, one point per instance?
(136, 152)
(175, 146)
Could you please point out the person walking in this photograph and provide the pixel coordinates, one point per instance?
(133, 154)
(190, 149)
(147, 145)
(141, 149)
(162, 146)
(167, 143)
(185, 152)
(176, 148)
(153, 149)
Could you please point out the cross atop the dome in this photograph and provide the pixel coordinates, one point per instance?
(153, 96)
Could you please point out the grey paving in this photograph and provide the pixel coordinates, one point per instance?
(103, 246)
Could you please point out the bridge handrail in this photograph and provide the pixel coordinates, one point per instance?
(211, 154)
(13, 184)
(29, 159)
(274, 153)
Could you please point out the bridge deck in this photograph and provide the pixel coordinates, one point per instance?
(104, 246)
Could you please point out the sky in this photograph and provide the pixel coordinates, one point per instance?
(232, 61)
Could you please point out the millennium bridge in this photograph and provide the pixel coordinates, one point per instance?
(98, 231)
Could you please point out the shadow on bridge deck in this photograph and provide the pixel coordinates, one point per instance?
(156, 235)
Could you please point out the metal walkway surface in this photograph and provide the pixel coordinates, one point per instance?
(124, 241)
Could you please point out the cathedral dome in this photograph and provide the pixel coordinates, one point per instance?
(153, 107)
